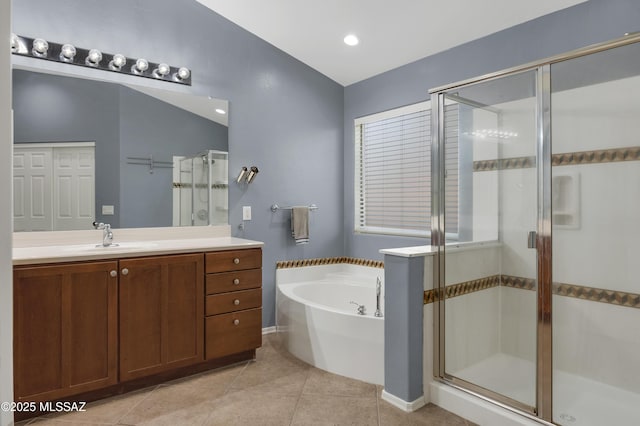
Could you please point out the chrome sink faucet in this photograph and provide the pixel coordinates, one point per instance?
(107, 234)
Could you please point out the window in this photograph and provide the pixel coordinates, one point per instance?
(393, 172)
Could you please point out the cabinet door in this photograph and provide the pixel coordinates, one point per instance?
(65, 329)
(161, 314)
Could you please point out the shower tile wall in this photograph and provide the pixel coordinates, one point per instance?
(598, 341)
(472, 320)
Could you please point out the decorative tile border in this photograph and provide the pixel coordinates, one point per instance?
(504, 164)
(518, 282)
(593, 294)
(566, 159)
(283, 264)
(460, 289)
(598, 156)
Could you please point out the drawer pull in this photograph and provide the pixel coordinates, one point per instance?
(113, 273)
(236, 281)
(125, 271)
(236, 260)
(236, 321)
(236, 302)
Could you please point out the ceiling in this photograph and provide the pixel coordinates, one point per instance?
(391, 33)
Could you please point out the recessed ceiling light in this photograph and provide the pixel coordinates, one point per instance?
(351, 40)
(220, 111)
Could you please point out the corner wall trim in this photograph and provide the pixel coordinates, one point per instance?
(269, 330)
(402, 404)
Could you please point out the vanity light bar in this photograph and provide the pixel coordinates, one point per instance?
(93, 58)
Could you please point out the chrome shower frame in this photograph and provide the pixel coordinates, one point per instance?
(542, 411)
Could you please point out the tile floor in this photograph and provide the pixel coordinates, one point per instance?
(278, 389)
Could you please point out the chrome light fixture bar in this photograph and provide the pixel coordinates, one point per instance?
(67, 53)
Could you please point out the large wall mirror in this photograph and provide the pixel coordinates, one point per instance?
(87, 150)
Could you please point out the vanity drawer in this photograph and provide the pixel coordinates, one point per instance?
(232, 333)
(233, 260)
(235, 301)
(232, 281)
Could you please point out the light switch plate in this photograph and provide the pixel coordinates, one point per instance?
(246, 212)
(107, 210)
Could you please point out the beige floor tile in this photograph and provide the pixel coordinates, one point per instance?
(277, 389)
(187, 415)
(105, 411)
(252, 408)
(335, 410)
(282, 374)
(41, 421)
(221, 377)
(429, 415)
(286, 383)
(323, 383)
(273, 348)
(185, 398)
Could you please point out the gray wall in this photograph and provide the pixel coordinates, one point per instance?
(123, 123)
(584, 24)
(285, 118)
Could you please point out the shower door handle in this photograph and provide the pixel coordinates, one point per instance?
(531, 239)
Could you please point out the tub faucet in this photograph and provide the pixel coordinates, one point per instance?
(361, 309)
(378, 291)
(107, 234)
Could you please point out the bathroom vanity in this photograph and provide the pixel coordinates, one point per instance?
(96, 321)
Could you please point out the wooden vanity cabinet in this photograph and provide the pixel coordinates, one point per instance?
(233, 312)
(161, 314)
(98, 328)
(65, 329)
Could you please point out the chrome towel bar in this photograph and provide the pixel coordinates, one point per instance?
(275, 207)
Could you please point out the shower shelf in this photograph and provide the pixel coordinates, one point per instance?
(566, 201)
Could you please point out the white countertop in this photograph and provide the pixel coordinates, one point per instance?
(432, 250)
(73, 246)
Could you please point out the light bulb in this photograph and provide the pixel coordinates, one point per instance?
(162, 70)
(40, 47)
(117, 62)
(182, 74)
(67, 53)
(140, 66)
(93, 58)
(220, 111)
(15, 43)
(351, 40)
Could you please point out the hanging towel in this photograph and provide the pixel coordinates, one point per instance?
(300, 224)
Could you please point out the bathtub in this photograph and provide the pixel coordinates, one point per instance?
(322, 328)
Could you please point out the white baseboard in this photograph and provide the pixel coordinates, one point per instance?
(269, 330)
(402, 404)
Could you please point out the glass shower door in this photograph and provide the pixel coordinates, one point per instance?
(489, 200)
(596, 233)
(186, 192)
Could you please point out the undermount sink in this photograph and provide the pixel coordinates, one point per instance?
(121, 246)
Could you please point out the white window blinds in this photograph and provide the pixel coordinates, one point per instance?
(393, 172)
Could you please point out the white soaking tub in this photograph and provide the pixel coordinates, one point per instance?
(320, 325)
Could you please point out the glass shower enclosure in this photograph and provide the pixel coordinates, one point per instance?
(539, 306)
(200, 189)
